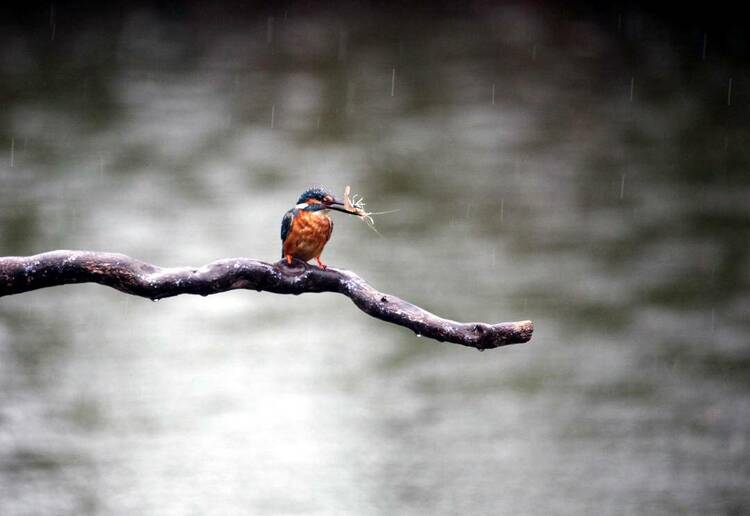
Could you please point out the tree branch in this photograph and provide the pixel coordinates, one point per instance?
(23, 273)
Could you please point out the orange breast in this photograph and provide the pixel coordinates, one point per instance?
(308, 235)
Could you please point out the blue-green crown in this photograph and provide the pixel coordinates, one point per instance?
(316, 192)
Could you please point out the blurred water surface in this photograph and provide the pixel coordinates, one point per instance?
(590, 175)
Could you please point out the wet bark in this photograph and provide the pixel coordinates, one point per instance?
(24, 273)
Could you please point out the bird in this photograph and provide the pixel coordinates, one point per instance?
(306, 228)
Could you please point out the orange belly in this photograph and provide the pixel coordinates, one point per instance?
(308, 235)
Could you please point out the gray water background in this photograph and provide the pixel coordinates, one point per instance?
(591, 175)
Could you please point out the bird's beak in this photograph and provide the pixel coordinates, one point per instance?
(338, 205)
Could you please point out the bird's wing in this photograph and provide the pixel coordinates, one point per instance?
(330, 229)
(286, 223)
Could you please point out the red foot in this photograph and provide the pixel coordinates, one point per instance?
(321, 264)
(289, 259)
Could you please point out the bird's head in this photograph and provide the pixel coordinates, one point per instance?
(320, 198)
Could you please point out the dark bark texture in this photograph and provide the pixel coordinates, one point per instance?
(24, 273)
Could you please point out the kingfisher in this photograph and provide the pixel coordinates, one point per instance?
(306, 228)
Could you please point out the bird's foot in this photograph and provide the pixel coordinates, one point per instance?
(291, 265)
(321, 264)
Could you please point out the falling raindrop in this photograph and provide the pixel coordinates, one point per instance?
(393, 82)
(619, 22)
(632, 88)
(269, 30)
(52, 24)
(533, 53)
(101, 167)
(622, 186)
(493, 93)
(502, 209)
(12, 152)
(317, 123)
(273, 115)
(713, 319)
(729, 93)
(350, 97)
(705, 45)
(342, 45)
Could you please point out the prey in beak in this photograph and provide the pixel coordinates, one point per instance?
(338, 205)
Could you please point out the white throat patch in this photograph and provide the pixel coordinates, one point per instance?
(303, 205)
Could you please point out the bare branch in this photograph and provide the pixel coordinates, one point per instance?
(23, 273)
